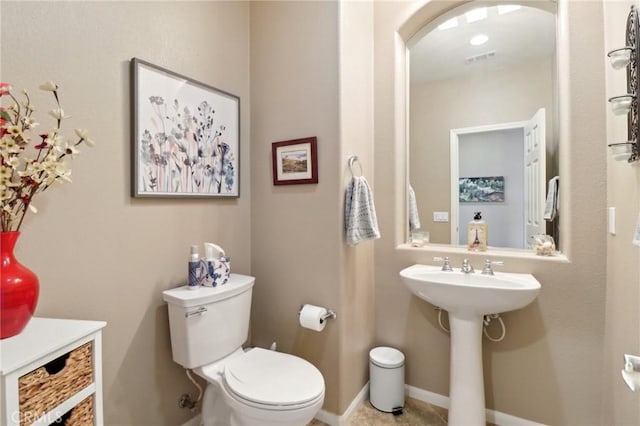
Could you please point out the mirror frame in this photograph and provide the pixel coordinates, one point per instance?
(426, 16)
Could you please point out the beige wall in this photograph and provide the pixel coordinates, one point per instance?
(623, 270)
(109, 257)
(306, 81)
(356, 118)
(509, 95)
(548, 368)
(294, 64)
(99, 253)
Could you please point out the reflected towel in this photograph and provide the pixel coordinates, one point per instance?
(360, 218)
(553, 197)
(414, 217)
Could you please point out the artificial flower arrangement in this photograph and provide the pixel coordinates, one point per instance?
(29, 167)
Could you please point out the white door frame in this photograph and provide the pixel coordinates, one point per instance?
(454, 141)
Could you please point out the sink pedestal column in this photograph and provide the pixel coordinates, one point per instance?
(466, 384)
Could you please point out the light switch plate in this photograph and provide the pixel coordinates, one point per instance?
(441, 216)
(612, 220)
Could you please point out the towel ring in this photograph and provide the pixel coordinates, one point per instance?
(354, 159)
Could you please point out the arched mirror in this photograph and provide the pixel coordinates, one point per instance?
(483, 133)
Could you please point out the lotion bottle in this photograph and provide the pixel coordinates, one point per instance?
(194, 269)
(477, 233)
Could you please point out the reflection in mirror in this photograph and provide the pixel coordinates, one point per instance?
(482, 124)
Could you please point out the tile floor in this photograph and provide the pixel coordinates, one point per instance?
(415, 412)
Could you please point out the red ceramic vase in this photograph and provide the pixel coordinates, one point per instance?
(19, 289)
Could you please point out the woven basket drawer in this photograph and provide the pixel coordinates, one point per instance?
(46, 387)
(80, 415)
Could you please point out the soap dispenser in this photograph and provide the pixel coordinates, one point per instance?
(477, 233)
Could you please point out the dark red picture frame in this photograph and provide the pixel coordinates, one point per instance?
(295, 161)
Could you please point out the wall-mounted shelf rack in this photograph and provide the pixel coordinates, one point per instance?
(629, 56)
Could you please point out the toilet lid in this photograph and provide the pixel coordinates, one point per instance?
(273, 378)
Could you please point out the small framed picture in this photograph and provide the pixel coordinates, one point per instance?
(295, 162)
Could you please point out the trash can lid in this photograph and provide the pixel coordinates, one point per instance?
(386, 357)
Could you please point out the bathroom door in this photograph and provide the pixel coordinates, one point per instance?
(534, 175)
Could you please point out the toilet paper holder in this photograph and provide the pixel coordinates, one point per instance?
(330, 314)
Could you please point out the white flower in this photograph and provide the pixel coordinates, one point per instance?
(23, 176)
(5, 173)
(57, 113)
(5, 193)
(84, 135)
(8, 146)
(72, 151)
(49, 86)
(29, 122)
(13, 162)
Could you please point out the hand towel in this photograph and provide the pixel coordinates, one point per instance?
(414, 217)
(553, 196)
(361, 222)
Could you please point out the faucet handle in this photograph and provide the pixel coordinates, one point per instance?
(488, 270)
(446, 264)
(467, 267)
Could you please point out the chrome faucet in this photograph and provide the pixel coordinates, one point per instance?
(488, 270)
(446, 264)
(466, 267)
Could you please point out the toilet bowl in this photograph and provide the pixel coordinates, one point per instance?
(256, 387)
(261, 387)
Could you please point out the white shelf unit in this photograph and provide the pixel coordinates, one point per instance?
(44, 340)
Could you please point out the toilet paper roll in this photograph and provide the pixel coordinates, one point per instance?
(311, 317)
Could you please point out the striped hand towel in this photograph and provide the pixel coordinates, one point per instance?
(361, 222)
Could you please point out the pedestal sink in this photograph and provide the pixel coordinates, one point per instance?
(467, 297)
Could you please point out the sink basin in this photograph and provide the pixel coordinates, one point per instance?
(473, 293)
(467, 298)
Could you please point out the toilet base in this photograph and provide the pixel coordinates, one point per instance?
(221, 409)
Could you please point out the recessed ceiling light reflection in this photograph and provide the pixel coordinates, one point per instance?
(479, 39)
(476, 14)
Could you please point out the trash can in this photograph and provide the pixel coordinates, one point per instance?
(386, 379)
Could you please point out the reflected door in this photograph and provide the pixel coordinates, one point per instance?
(534, 175)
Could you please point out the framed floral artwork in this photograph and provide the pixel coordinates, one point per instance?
(185, 136)
(295, 161)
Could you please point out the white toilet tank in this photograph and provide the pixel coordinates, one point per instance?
(209, 323)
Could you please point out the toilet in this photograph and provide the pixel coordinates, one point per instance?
(245, 387)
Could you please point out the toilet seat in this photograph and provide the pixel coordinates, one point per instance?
(273, 380)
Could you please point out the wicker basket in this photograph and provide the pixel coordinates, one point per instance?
(43, 389)
(81, 414)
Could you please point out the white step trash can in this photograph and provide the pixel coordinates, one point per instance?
(386, 379)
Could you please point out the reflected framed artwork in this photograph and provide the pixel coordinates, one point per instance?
(295, 161)
(185, 136)
(489, 189)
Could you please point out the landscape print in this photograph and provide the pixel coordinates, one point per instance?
(294, 161)
(488, 189)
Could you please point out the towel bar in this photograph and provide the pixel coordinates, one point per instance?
(351, 161)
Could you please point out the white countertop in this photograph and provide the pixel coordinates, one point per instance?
(40, 337)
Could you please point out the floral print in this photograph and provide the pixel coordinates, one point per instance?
(184, 150)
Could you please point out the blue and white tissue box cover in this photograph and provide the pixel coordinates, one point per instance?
(216, 271)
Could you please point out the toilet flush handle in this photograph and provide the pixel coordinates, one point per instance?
(201, 310)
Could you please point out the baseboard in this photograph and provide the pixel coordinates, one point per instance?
(495, 417)
(343, 420)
